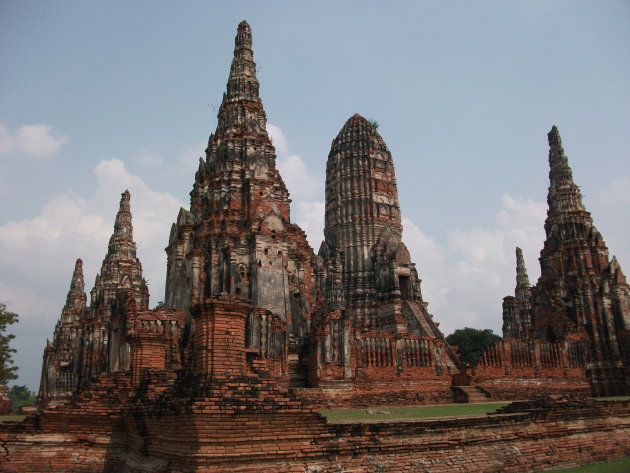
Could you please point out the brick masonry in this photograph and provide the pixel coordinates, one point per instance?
(257, 332)
(247, 426)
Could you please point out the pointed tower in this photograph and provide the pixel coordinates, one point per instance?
(373, 325)
(361, 208)
(119, 287)
(362, 236)
(573, 299)
(237, 239)
(121, 267)
(517, 309)
(523, 288)
(59, 372)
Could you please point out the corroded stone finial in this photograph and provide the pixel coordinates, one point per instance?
(122, 226)
(564, 195)
(554, 138)
(557, 160)
(241, 109)
(243, 36)
(125, 199)
(75, 300)
(77, 283)
(522, 280)
(242, 83)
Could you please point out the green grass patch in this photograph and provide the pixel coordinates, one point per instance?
(619, 466)
(612, 398)
(11, 417)
(402, 413)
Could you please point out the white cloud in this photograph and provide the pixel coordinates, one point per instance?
(149, 158)
(23, 300)
(70, 226)
(424, 248)
(36, 141)
(305, 189)
(37, 255)
(277, 137)
(465, 279)
(310, 217)
(618, 191)
(6, 140)
(188, 156)
(302, 185)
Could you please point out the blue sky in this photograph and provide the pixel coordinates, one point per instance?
(97, 97)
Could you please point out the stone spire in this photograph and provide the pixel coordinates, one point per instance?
(574, 297)
(75, 304)
(517, 309)
(361, 204)
(368, 270)
(121, 268)
(242, 83)
(59, 370)
(237, 237)
(564, 195)
(241, 134)
(123, 229)
(523, 288)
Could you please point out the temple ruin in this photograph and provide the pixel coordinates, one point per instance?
(571, 331)
(257, 332)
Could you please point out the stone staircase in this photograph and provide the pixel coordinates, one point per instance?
(470, 394)
(298, 369)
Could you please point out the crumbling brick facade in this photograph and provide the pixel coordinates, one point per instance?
(373, 337)
(257, 331)
(60, 374)
(578, 313)
(517, 309)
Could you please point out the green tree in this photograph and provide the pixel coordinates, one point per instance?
(7, 370)
(471, 343)
(21, 396)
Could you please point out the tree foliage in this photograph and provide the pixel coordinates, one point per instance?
(7, 370)
(21, 396)
(471, 343)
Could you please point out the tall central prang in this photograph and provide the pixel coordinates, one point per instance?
(237, 238)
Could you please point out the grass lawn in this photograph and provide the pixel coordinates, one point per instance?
(12, 417)
(612, 398)
(619, 466)
(402, 413)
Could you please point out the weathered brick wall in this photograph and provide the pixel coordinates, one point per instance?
(246, 426)
(388, 391)
(85, 435)
(523, 369)
(154, 342)
(505, 388)
(517, 443)
(219, 337)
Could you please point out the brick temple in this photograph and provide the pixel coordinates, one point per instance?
(571, 331)
(257, 332)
